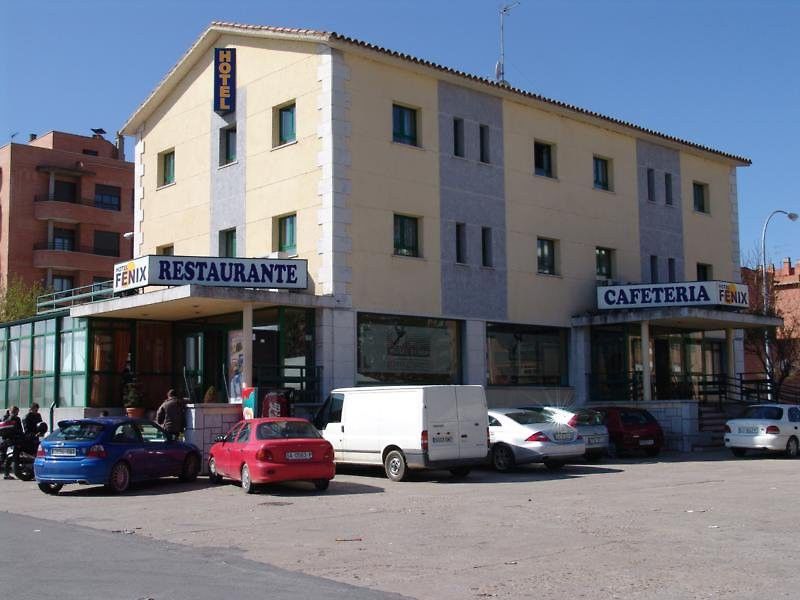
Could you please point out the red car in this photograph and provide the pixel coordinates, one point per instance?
(272, 450)
(632, 429)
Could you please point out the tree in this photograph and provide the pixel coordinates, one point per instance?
(784, 341)
(18, 299)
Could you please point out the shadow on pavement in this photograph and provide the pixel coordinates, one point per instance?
(156, 487)
(289, 489)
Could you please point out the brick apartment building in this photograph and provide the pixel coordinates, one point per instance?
(66, 201)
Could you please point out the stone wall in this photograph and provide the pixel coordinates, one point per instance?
(205, 421)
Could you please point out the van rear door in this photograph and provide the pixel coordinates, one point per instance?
(329, 422)
(472, 420)
(441, 420)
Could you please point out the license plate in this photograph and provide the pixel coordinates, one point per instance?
(594, 439)
(646, 442)
(298, 455)
(442, 439)
(63, 452)
(748, 429)
(563, 436)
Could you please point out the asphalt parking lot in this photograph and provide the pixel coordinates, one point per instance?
(681, 526)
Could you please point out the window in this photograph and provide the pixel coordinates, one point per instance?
(653, 268)
(700, 197)
(63, 239)
(227, 243)
(458, 137)
(705, 272)
(227, 145)
(668, 187)
(486, 246)
(106, 243)
(484, 141)
(461, 243)
(166, 167)
(546, 256)
(404, 125)
(287, 227)
(62, 283)
(168, 250)
(152, 434)
(286, 125)
(65, 191)
(244, 434)
(406, 236)
(543, 159)
(601, 174)
(671, 270)
(525, 355)
(651, 185)
(89, 152)
(604, 259)
(107, 197)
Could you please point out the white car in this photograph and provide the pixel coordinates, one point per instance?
(519, 436)
(773, 427)
(589, 424)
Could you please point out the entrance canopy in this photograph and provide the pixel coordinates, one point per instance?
(689, 318)
(196, 301)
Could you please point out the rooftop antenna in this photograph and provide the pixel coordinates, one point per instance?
(499, 69)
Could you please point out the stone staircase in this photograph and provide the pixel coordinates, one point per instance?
(711, 425)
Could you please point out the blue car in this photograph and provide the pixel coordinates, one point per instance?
(113, 451)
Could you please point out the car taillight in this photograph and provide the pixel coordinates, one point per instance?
(727, 428)
(573, 422)
(96, 451)
(424, 440)
(539, 436)
(328, 453)
(264, 455)
(773, 429)
(40, 452)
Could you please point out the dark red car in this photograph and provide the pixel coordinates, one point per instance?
(271, 450)
(632, 429)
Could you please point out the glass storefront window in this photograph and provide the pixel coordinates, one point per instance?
(525, 355)
(408, 350)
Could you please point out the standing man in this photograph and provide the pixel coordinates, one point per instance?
(32, 419)
(170, 414)
(11, 437)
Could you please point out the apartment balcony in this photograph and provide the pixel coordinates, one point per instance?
(80, 210)
(79, 258)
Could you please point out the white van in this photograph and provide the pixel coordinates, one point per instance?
(407, 427)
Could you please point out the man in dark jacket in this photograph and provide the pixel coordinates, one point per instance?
(170, 414)
(11, 437)
(32, 419)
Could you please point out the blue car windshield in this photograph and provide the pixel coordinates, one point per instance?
(78, 432)
(286, 429)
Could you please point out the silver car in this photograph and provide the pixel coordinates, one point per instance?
(589, 424)
(519, 436)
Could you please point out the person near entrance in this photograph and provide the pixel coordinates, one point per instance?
(170, 414)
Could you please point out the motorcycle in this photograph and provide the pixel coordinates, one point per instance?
(28, 445)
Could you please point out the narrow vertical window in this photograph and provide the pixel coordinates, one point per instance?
(227, 145)
(484, 141)
(603, 257)
(704, 272)
(700, 191)
(486, 246)
(668, 187)
(404, 125)
(543, 159)
(406, 236)
(287, 241)
(671, 269)
(227, 243)
(601, 179)
(461, 243)
(653, 268)
(651, 185)
(166, 165)
(458, 137)
(286, 125)
(546, 256)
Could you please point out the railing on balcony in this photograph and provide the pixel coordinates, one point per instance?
(93, 202)
(62, 247)
(55, 301)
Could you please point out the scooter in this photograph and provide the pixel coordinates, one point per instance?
(28, 445)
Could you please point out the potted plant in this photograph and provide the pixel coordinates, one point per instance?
(133, 402)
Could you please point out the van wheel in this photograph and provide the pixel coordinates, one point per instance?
(460, 471)
(502, 458)
(395, 465)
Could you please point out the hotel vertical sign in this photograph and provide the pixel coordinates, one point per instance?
(224, 80)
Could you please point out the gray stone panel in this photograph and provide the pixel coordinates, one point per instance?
(473, 193)
(660, 224)
(228, 182)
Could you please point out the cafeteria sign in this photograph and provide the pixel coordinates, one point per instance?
(693, 293)
(203, 270)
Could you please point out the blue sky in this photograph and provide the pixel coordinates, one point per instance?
(723, 73)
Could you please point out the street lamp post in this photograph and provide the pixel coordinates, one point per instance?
(764, 290)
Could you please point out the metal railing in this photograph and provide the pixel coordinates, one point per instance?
(61, 247)
(55, 301)
(91, 202)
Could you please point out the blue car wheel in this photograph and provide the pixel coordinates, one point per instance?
(120, 478)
